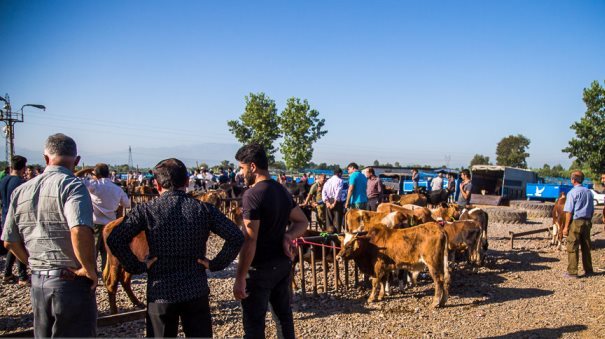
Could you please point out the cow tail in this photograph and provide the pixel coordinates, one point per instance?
(446, 262)
(484, 242)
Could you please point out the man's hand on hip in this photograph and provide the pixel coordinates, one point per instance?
(82, 272)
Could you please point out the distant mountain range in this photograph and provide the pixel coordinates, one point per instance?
(144, 157)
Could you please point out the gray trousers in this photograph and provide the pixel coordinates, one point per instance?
(63, 308)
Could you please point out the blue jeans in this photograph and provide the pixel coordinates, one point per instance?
(63, 308)
(269, 284)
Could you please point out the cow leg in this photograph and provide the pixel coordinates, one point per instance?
(401, 276)
(439, 299)
(555, 231)
(126, 284)
(413, 278)
(373, 291)
(381, 281)
(111, 280)
(387, 287)
(478, 253)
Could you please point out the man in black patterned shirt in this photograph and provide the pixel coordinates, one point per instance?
(177, 228)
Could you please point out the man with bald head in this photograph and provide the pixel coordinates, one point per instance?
(49, 225)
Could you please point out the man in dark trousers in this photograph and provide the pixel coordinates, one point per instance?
(177, 228)
(271, 222)
(578, 222)
(49, 226)
(7, 186)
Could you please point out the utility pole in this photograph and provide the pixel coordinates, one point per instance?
(130, 162)
(10, 118)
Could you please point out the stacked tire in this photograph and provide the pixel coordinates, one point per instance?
(597, 217)
(534, 209)
(506, 215)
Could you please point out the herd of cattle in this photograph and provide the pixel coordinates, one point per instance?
(403, 235)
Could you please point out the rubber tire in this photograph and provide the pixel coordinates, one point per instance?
(534, 209)
(506, 215)
(597, 217)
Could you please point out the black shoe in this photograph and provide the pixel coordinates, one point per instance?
(9, 279)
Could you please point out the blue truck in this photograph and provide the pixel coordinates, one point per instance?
(545, 191)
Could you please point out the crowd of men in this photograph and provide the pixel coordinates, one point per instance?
(53, 222)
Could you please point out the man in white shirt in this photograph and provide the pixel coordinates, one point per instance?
(334, 196)
(106, 197)
(437, 182)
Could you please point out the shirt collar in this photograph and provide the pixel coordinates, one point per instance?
(175, 193)
(57, 169)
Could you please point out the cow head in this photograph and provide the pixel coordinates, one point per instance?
(349, 245)
(448, 212)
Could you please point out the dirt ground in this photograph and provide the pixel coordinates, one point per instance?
(520, 293)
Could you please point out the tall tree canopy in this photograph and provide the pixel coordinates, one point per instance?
(588, 147)
(301, 128)
(259, 123)
(480, 159)
(511, 151)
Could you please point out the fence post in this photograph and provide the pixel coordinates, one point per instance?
(346, 263)
(313, 270)
(324, 266)
(335, 264)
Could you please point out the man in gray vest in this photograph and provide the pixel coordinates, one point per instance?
(49, 225)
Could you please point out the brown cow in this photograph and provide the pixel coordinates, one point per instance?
(414, 199)
(384, 249)
(356, 220)
(416, 214)
(482, 218)
(114, 273)
(558, 221)
(465, 235)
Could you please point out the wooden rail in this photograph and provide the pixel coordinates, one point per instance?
(104, 321)
(514, 235)
(329, 248)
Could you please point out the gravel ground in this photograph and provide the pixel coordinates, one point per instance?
(519, 293)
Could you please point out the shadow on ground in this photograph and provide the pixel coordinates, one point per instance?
(542, 332)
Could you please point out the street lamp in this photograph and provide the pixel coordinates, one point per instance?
(10, 118)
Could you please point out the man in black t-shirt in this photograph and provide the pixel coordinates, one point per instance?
(263, 271)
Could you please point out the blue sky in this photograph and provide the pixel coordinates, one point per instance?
(408, 81)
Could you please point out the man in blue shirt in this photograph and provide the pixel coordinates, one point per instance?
(578, 215)
(7, 186)
(356, 196)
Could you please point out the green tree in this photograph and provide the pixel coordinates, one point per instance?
(279, 165)
(226, 164)
(397, 164)
(301, 128)
(588, 147)
(376, 163)
(259, 123)
(511, 151)
(479, 159)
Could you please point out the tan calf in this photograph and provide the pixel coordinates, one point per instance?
(356, 220)
(417, 214)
